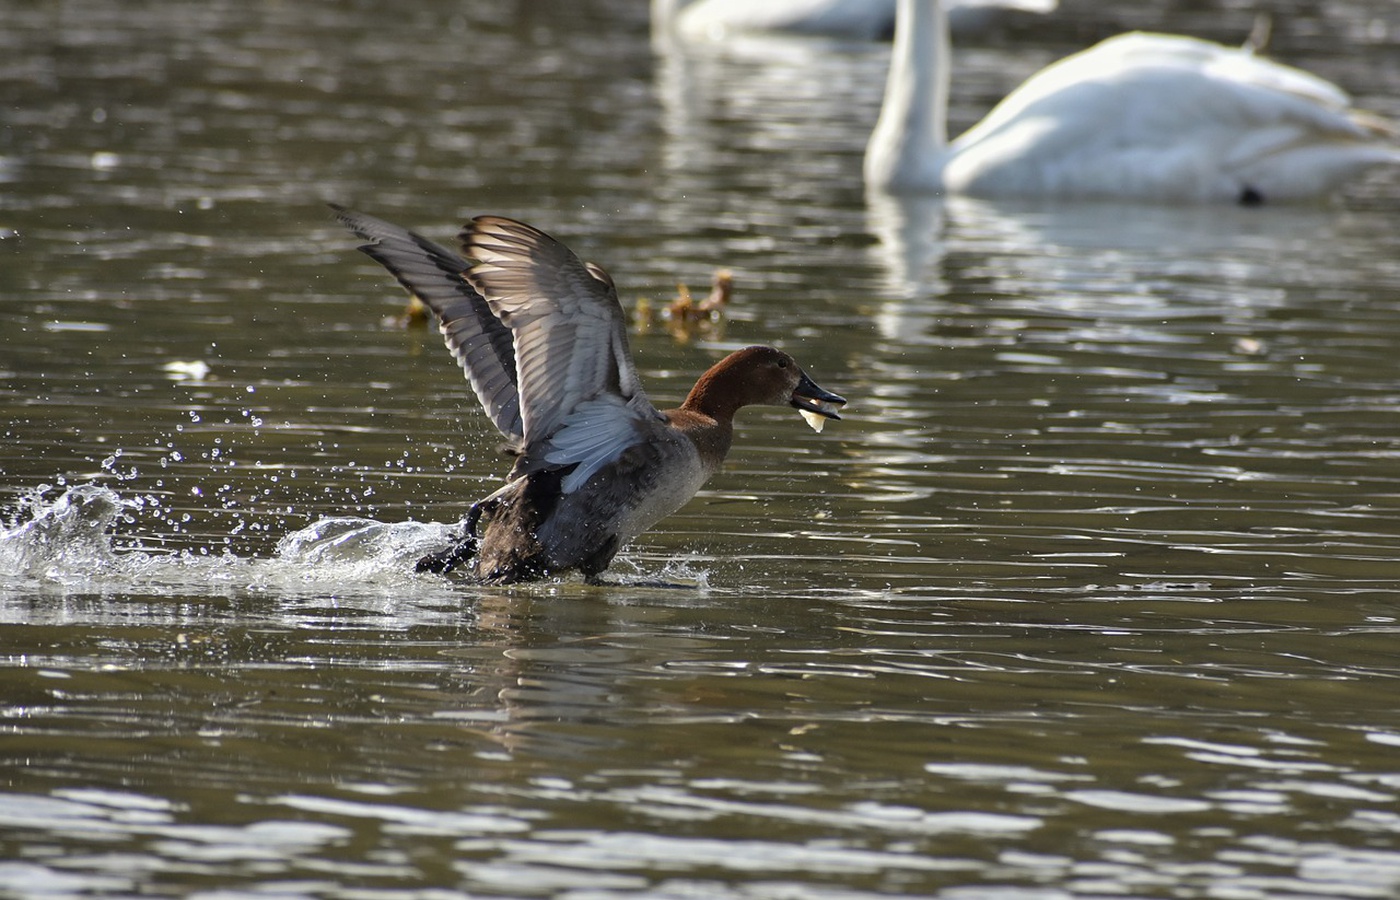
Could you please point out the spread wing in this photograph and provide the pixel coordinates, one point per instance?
(580, 397)
(482, 345)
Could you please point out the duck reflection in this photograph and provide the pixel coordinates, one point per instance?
(545, 668)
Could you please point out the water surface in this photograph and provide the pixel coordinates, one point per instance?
(1091, 594)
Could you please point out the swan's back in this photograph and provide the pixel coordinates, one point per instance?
(1167, 117)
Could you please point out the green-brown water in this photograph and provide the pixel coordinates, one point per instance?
(1092, 593)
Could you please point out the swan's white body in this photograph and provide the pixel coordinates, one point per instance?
(861, 19)
(1141, 116)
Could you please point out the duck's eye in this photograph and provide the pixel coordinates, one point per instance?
(782, 364)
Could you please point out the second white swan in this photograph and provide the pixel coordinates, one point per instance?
(1141, 116)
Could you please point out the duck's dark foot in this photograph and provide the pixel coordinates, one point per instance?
(444, 561)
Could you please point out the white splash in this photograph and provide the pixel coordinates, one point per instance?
(68, 544)
(69, 535)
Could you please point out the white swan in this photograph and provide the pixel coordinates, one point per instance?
(1141, 116)
(861, 19)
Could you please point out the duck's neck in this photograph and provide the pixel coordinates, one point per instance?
(707, 415)
(908, 147)
(717, 395)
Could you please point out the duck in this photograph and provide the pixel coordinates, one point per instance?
(683, 316)
(849, 19)
(1139, 116)
(542, 339)
(684, 307)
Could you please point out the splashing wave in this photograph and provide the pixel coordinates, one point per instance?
(67, 543)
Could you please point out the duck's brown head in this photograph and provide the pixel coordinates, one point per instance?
(762, 376)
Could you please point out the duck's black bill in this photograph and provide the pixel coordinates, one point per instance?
(812, 398)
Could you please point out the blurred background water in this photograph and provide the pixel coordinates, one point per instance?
(1092, 593)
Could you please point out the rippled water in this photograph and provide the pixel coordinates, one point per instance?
(1091, 594)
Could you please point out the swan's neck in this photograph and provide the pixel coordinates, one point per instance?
(663, 13)
(908, 146)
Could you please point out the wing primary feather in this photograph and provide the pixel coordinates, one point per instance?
(476, 337)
